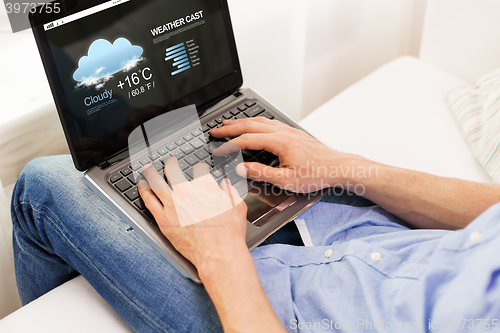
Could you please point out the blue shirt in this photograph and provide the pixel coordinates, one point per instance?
(367, 271)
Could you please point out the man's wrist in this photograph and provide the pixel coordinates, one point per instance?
(231, 281)
(365, 171)
(354, 170)
(232, 257)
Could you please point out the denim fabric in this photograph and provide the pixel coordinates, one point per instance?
(366, 271)
(61, 228)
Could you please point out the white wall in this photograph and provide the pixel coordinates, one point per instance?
(299, 54)
(270, 37)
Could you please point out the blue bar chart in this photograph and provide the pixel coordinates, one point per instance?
(179, 57)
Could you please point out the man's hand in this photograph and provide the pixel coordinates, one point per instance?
(306, 165)
(423, 200)
(207, 223)
(203, 221)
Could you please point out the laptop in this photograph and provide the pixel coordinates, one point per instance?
(167, 70)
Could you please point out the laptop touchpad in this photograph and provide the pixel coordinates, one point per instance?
(265, 201)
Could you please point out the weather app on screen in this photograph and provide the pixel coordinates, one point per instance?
(124, 59)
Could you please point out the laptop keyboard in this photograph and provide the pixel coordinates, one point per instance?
(190, 149)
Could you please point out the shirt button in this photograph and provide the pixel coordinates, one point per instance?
(328, 253)
(475, 236)
(375, 256)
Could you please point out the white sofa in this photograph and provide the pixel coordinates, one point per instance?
(397, 115)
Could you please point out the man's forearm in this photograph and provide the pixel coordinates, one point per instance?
(425, 200)
(234, 287)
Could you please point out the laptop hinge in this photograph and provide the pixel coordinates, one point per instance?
(118, 157)
(104, 165)
(218, 100)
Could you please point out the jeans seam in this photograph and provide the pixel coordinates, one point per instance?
(15, 208)
(62, 234)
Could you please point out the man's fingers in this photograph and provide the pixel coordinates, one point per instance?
(261, 172)
(233, 128)
(264, 120)
(200, 170)
(225, 149)
(156, 183)
(173, 171)
(270, 142)
(150, 200)
(230, 190)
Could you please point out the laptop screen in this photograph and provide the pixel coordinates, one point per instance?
(120, 61)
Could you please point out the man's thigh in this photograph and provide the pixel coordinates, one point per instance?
(55, 208)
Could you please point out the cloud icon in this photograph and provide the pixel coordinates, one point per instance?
(105, 59)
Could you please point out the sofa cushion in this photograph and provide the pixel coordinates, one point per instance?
(398, 115)
(9, 298)
(477, 108)
(72, 307)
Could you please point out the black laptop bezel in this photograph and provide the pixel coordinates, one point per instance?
(108, 146)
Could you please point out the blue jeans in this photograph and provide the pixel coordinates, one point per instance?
(62, 229)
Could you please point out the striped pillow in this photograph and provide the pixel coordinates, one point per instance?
(477, 108)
